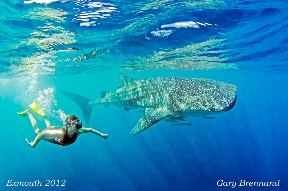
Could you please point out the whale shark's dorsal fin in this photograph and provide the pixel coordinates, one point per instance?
(125, 81)
(103, 94)
(151, 116)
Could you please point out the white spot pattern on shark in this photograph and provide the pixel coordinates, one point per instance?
(165, 97)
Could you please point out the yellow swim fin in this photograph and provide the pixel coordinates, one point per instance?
(34, 106)
(23, 113)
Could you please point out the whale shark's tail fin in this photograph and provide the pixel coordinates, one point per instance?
(83, 103)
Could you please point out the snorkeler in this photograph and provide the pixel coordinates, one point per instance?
(58, 135)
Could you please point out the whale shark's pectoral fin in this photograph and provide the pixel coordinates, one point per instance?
(151, 116)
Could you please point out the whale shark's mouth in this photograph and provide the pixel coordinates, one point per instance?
(231, 105)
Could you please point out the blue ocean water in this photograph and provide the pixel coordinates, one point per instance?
(81, 46)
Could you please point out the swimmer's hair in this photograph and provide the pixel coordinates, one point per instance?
(72, 117)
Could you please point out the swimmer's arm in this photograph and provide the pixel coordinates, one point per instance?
(45, 133)
(90, 130)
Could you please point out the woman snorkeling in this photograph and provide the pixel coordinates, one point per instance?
(58, 135)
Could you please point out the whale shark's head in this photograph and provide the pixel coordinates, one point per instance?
(200, 94)
(231, 105)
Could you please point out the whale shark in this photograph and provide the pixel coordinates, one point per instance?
(164, 97)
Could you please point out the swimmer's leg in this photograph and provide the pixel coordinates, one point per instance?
(45, 134)
(33, 122)
(35, 107)
(47, 122)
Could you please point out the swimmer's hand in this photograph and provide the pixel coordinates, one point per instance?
(105, 136)
(31, 144)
